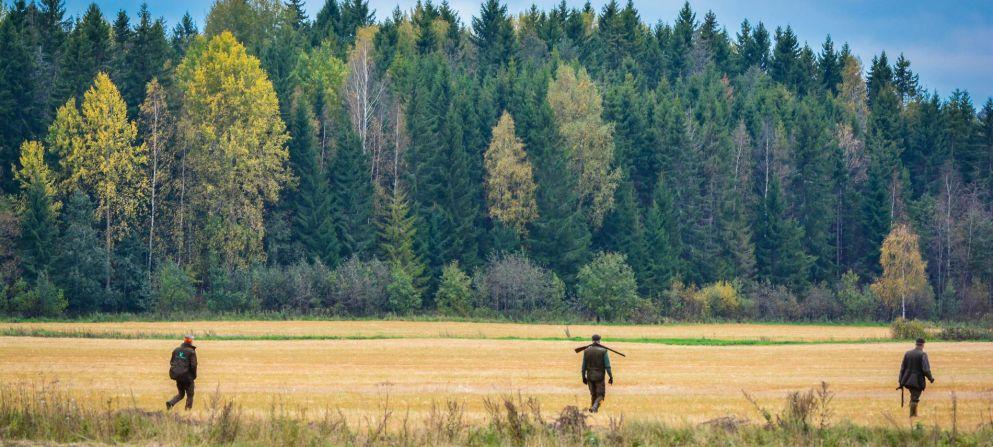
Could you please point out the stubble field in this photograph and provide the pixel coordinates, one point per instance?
(412, 366)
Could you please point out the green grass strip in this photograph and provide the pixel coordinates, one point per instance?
(46, 333)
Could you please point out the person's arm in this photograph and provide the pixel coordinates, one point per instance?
(193, 365)
(926, 365)
(606, 366)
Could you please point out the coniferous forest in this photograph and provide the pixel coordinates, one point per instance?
(537, 164)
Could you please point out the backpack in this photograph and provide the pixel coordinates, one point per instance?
(179, 366)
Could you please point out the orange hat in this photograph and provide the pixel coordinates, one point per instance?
(187, 339)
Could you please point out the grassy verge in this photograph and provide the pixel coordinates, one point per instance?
(290, 316)
(48, 333)
(48, 415)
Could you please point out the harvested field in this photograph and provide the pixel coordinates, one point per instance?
(674, 384)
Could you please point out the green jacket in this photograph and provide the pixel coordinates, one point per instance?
(595, 363)
(914, 369)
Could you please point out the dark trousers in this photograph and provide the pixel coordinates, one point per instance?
(915, 394)
(184, 387)
(598, 389)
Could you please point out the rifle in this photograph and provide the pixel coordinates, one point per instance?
(582, 348)
(901, 395)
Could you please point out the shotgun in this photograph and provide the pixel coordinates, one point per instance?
(901, 395)
(582, 348)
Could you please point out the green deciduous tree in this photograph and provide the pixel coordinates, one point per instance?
(236, 143)
(586, 138)
(606, 287)
(454, 295)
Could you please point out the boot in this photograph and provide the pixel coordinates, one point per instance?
(913, 409)
(596, 405)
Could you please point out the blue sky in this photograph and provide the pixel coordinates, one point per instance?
(950, 44)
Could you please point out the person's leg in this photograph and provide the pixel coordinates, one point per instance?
(592, 385)
(178, 397)
(915, 398)
(189, 395)
(601, 388)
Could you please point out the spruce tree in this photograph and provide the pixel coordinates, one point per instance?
(81, 257)
(352, 193)
(88, 50)
(397, 238)
(39, 229)
(20, 115)
(779, 254)
(830, 66)
(313, 219)
(493, 36)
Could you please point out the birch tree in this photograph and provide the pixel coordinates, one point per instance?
(99, 156)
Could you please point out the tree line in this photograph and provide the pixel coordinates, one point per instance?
(548, 162)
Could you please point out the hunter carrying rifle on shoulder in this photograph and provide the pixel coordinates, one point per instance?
(596, 363)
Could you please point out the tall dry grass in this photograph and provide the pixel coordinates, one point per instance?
(50, 413)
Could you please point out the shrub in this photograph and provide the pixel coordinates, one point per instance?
(513, 286)
(858, 304)
(42, 300)
(774, 302)
(645, 311)
(358, 287)
(962, 332)
(454, 296)
(606, 287)
(229, 291)
(719, 299)
(820, 303)
(401, 294)
(682, 304)
(902, 329)
(174, 290)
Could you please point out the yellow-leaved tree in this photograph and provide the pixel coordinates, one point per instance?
(235, 151)
(904, 280)
(588, 139)
(510, 183)
(99, 156)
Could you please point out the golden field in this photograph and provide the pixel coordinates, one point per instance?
(431, 329)
(674, 384)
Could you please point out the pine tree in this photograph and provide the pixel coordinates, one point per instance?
(623, 230)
